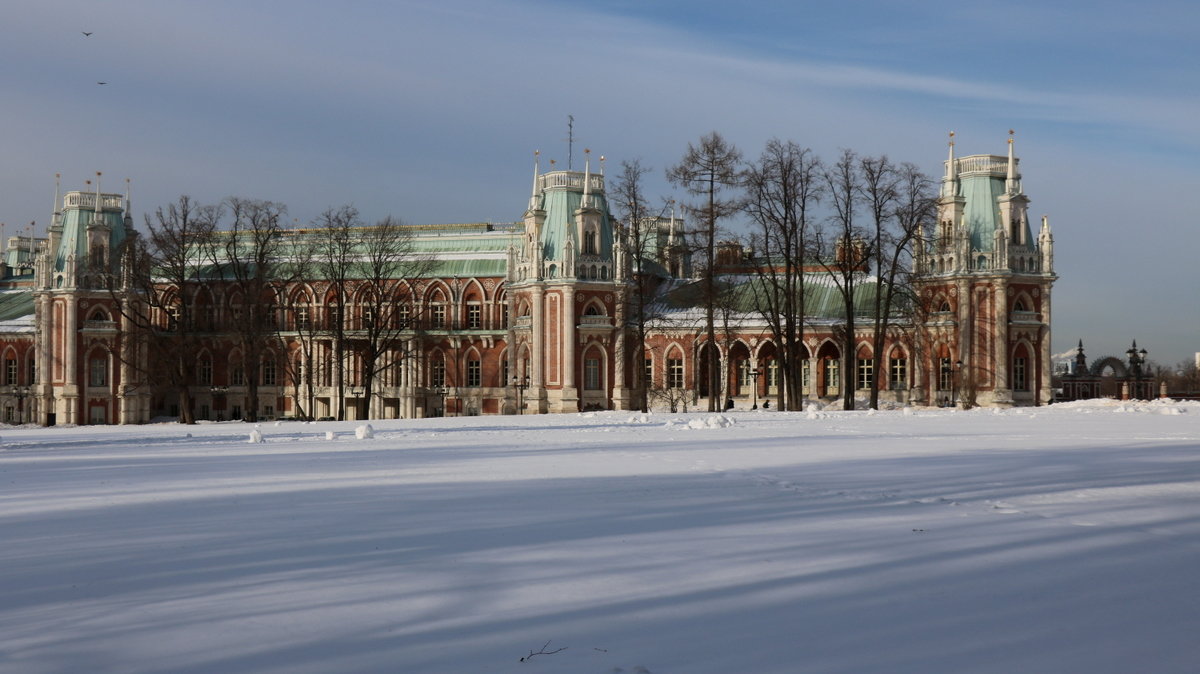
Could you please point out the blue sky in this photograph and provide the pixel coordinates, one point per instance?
(430, 111)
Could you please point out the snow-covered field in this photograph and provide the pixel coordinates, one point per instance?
(1061, 539)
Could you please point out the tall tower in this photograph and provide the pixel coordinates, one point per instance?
(83, 373)
(566, 285)
(984, 282)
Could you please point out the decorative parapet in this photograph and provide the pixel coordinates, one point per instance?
(571, 180)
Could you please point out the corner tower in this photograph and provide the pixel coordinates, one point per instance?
(984, 282)
(567, 292)
(84, 373)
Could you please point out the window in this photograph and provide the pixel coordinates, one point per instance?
(335, 316)
(31, 363)
(269, 372)
(899, 373)
(945, 374)
(806, 376)
(204, 372)
(674, 373)
(403, 316)
(474, 316)
(368, 317)
(10, 371)
(589, 242)
(297, 371)
(437, 372)
(237, 375)
(504, 370)
(438, 319)
(866, 372)
(272, 317)
(648, 373)
(743, 368)
(833, 376)
(303, 318)
(591, 374)
(1020, 382)
(474, 372)
(98, 371)
(772, 376)
(172, 317)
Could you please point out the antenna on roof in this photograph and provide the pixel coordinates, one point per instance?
(570, 141)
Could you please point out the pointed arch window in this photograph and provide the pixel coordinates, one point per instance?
(98, 369)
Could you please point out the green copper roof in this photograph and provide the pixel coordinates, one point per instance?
(15, 304)
(982, 211)
(77, 215)
(560, 203)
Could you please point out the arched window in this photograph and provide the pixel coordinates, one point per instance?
(98, 369)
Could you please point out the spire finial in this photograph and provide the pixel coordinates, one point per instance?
(97, 195)
(55, 212)
(587, 179)
(1010, 182)
(533, 197)
(948, 187)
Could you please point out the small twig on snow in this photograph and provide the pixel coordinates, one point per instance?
(543, 652)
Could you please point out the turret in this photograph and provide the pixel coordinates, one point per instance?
(1046, 246)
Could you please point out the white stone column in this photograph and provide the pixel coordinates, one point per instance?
(569, 347)
(538, 329)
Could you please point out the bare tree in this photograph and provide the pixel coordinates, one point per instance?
(708, 171)
(387, 256)
(299, 320)
(880, 191)
(335, 262)
(249, 259)
(913, 202)
(782, 188)
(629, 195)
(850, 252)
(155, 291)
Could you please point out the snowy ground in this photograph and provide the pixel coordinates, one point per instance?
(1062, 539)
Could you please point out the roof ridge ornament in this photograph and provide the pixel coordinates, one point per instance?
(533, 198)
(1010, 181)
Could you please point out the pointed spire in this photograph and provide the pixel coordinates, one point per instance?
(587, 179)
(99, 217)
(533, 198)
(671, 232)
(56, 212)
(949, 186)
(128, 219)
(1010, 182)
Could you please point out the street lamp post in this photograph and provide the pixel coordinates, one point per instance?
(218, 391)
(519, 386)
(357, 392)
(958, 364)
(20, 393)
(755, 374)
(1137, 360)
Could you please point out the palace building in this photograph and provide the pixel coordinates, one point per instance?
(529, 317)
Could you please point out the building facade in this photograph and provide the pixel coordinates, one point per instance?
(530, 317)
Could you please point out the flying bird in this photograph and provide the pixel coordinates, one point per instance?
(85, 33)
(102, 83)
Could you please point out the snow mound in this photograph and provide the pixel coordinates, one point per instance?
(330, 435)
(255, 436)
(638, 419)
(714, 421)
(364, 432)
